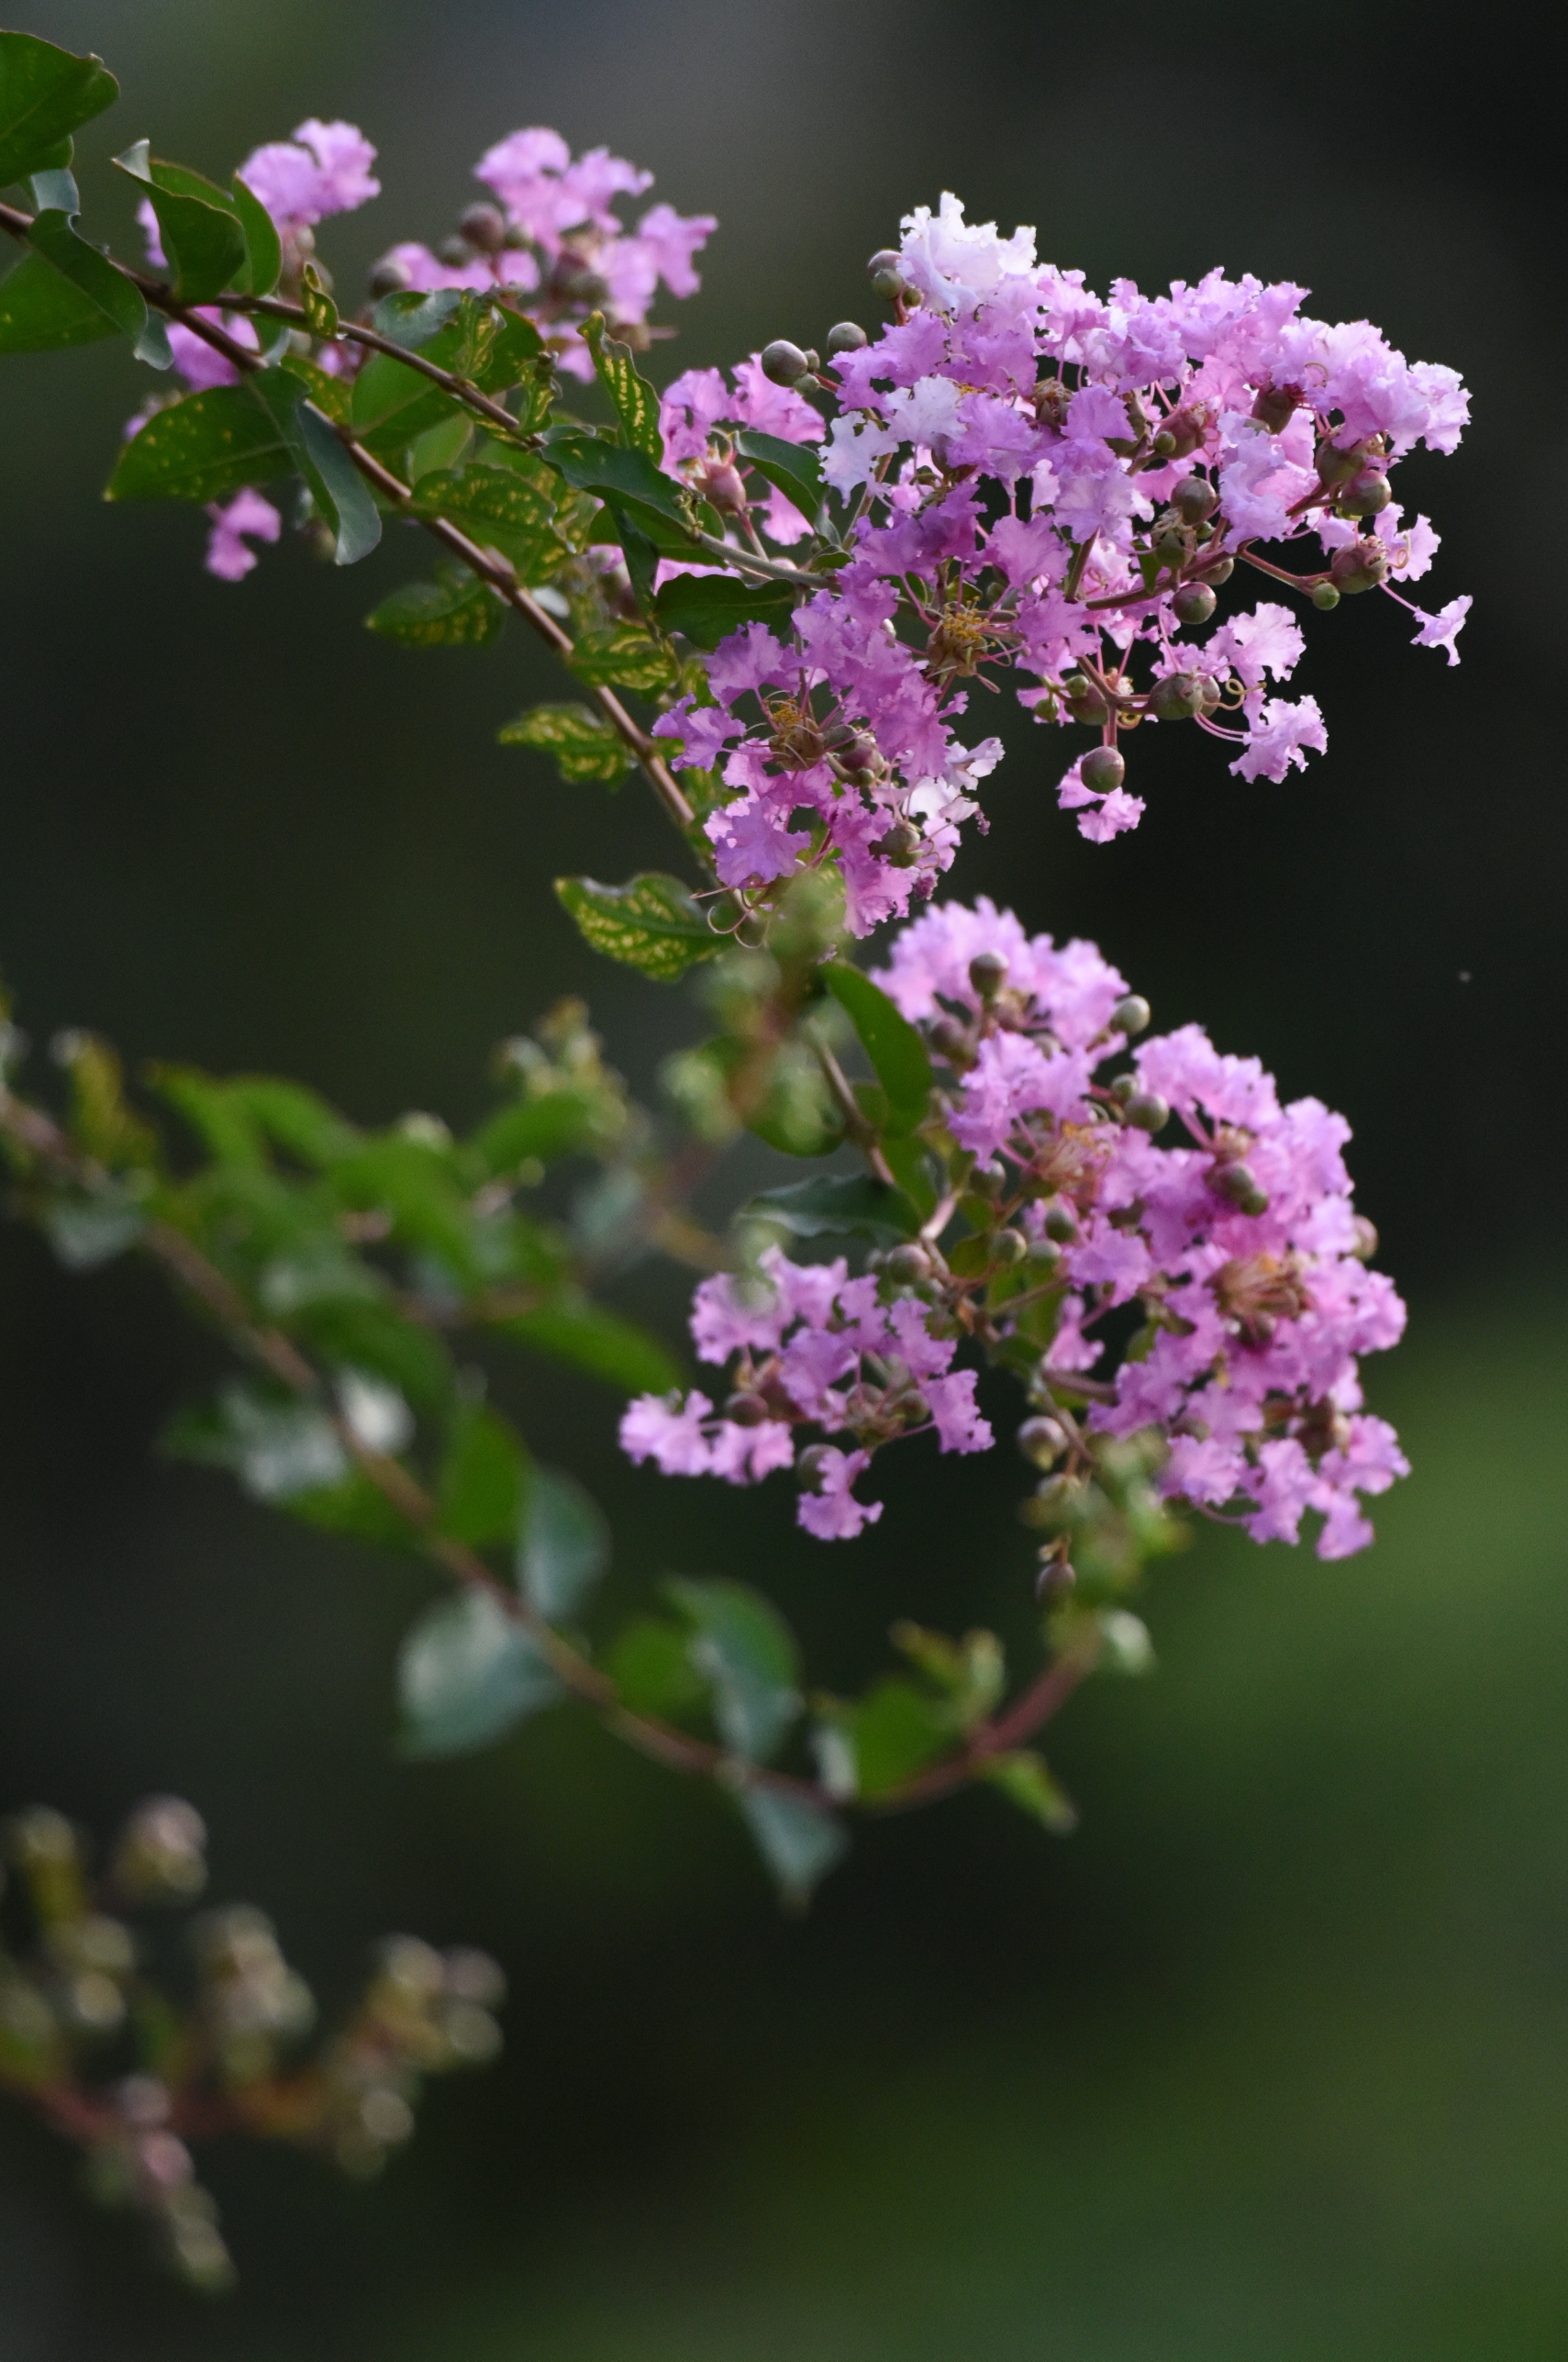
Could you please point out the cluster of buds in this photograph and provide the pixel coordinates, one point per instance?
(135, 2066)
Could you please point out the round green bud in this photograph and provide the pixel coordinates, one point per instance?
(908, 1265)
(784, 363)
(1326, 597)
(455, 252)
(900, 844)
(951, 1039)
(1042, 1441)
(1360, 568)
(483, 227)
(1235, 1181)
(1365, 1246)
(887, 284)
(1218, 570)
(1165, 444)
(1275, 405)
(1176, 697)
(988, 1181)
(1193, 603)
(747, 1409)
(1337, 464)
(1102, 769)
(887, 257)
(1366, 496)
(846, 336)
(1132, 1015)
(1009, 1247)
(1170, 544)
(1061, 1223)
(390, 276)
(808, 1467)
(1148, 1111)
(1196, 498)
(987, 974)
(1123, 1089)
(1044, 1253)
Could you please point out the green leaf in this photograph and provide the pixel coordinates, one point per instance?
(198, 223)
(458, 610)
(466, 1675)
(895, 1048)
(577, 1331)
(277, 1447)
(651, 923)
(795, 468)
(298, 1120)
(354, 1507)
(439, 447)
(708, 607)
(547, 1124)
(636, 403)
(743, 1647)
(351, 1333)
(565, 1545)
(332, 395)
(55, 191)
(63, 292)
(45, 94)
(497, 507)
(263, 247)
(202, 449)
(888, 1735)
(586, 748)
(650, 1663)
(482, 1478)
(1025, 1779)
(799, 1840)
(339, 490)
(88, 1231)
(622, 657)
(513, 351)
(410, 319)
(216, 1113)
(393, 404)
(831, 1202)
(613, 472)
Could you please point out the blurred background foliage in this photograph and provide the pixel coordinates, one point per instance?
(1270, 2057)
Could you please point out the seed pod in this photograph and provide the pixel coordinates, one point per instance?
(1275, 405)
(987, 974)
(1042, 1441)
(1196, 498)
(1359, 568)
(908, 1263)
(1193, 603)
(784, 363)
(483, 227)
(1148, 1111)
(1102, 769)
(1009, 1246)
(1176, 697)
(846, 336)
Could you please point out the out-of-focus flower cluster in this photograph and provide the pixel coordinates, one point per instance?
(134, 2067)
(1237, 1242)
(1042, 482)
(815, 1347)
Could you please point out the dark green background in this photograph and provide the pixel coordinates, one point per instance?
(1269, 2060)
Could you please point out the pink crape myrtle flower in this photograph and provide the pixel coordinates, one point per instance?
(323, 169)
(229, 553)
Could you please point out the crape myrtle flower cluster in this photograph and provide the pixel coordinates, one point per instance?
(1236, 1241)
(1036, 481)
(134, 2067)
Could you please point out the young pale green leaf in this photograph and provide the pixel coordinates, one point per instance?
(831, 1202)
(357, 1334)
(565, 1546)
(277, 1448)
(88, 1231)
(573, 1329)
(793, 468)
(743, 1647)
(889, 1735)
(198, 223)
(623, 658)
(55, 191)
(483, 1477)
(1025, 1780)
(202, 449)
(466, 1675)
(339, 490)
(651, 923)
(708, 607)
(799, 1841)
(411, 319)
(586, 748)
(458, 610)
(46, 93)
(636, 403)
(513, 352)
(263, 247)
(889, 1040)
(65, 292)
(296, 1118)
(650, 1663)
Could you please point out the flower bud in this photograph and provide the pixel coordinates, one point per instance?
(1236, 1182)
(987, 974)
(908, 1265)
(1148, 1111)
(1165, 444)
(390, 276)
(1274, 406)
(808, 1467)
(889, 284)
(1359, 568)
(1009, 1246)
(1084, 700)
(747, 1409)
(1327, 596)
(1131, 1014)
(455, 252)
(1218, 570)
(951, 1041)
(784, 363)
(159, 1857)
(887, 257)
(1196, 498)
(900, 844)
(1337, 464)
(1061, 1223)
(1053, 1501)
(483, 227)
(1103, 768)
(1044, 1255)
(1176, 697)
(1056, 1575)
(1368, 494)
(1365, 1246)
(988, 1181)
(1123, 1089)
(846, 336)
(1193, 603)
(1185, 428)
(1042, 1441)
